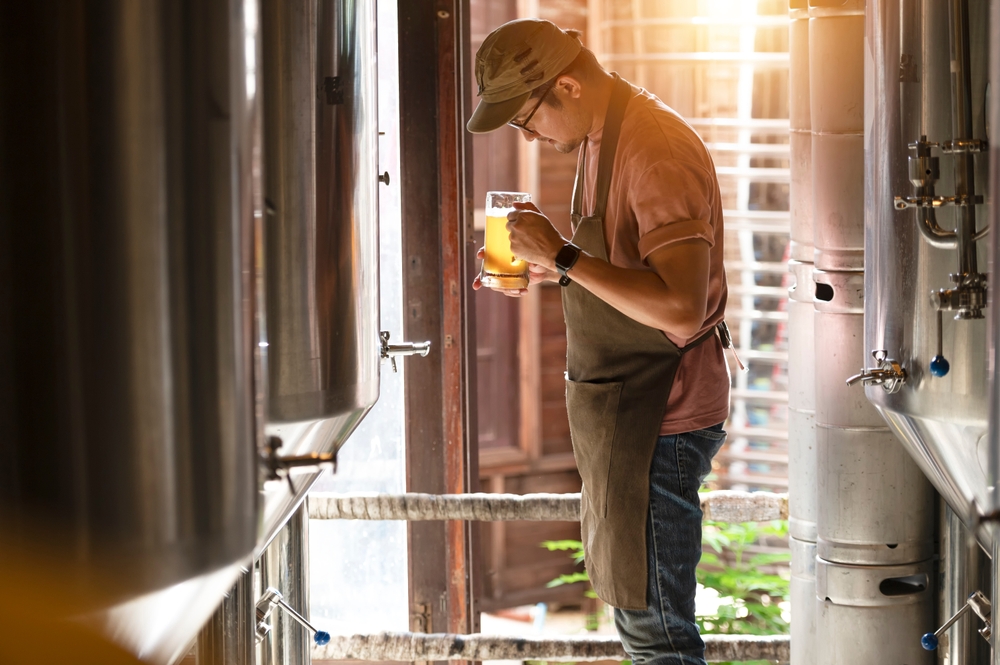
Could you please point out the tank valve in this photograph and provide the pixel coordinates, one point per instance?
(278, 466)
(272, 598)
(977, 603)
(390, 351)
(887, 373)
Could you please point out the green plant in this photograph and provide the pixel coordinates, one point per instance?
(575, 549)
(748, 597)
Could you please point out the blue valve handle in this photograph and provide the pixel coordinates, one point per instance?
(929, 641)
(939, 366)
(322, 637)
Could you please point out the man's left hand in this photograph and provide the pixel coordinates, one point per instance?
(532, 236)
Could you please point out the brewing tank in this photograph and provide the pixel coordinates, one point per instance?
(128, 456)
(321, 152)
(941, 419)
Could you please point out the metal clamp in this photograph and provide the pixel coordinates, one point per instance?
(977, 603)
(904, 202)
(272, 598)
(390, 351)
(964, 145)
(887, 373)
(968, 298)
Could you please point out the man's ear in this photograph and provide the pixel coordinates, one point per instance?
(569, 85)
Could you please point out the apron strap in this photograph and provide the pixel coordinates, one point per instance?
(621, 93)
(722, 328)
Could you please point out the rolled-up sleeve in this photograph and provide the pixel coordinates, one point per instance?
(672, 201)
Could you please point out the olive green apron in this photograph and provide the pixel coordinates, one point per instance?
(618, 379)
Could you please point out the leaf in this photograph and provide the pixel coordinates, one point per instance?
(569, 578)
(769, 558)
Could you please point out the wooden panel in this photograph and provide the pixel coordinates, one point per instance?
(497, 369)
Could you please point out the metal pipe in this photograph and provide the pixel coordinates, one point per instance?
(965, 167)
(959, 573)
(285, 566)
(721, 506)
(428, 647)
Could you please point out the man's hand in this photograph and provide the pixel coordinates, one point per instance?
(477, 283)
(536, 275)
(534, 231)
(532, 236)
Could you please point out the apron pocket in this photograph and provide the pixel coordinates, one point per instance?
(593, 417)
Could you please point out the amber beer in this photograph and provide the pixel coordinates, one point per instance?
(501, 269)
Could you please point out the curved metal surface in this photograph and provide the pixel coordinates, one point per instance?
(127, 329)
(321, 150)
(942, 421)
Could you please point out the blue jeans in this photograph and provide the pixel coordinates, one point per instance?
(665, 633)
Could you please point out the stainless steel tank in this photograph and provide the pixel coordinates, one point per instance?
(942, 420)
(802, 497)
(800, 133)
(802, 595)
(836, 108)
(321, 151)
(874, 505)
(870, 615)
(126, 314)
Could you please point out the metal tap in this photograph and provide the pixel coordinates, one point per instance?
(280, 466)
(272, 598)
(887, 373)
(977, 603)
(390, 351)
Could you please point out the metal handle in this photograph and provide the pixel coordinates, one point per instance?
(272, 598)
(977, 603)
(384, 178)
(939, 364)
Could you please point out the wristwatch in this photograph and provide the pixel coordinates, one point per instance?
(566, 259)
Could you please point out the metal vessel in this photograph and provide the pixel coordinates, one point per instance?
(127, 334)
(321, 152)
(939, 94)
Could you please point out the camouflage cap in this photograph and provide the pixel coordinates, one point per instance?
(514, 59)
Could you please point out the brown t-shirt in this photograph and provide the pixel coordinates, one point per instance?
(664, 190)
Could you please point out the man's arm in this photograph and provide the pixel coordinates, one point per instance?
(672, 297)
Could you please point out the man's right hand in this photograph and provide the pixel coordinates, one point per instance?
(536, 274)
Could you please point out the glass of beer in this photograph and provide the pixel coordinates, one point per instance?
(501, 269)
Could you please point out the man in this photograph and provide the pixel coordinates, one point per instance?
(647, 385)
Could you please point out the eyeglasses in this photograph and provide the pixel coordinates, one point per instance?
(523, 125)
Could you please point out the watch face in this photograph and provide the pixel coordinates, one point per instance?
(566, 257)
